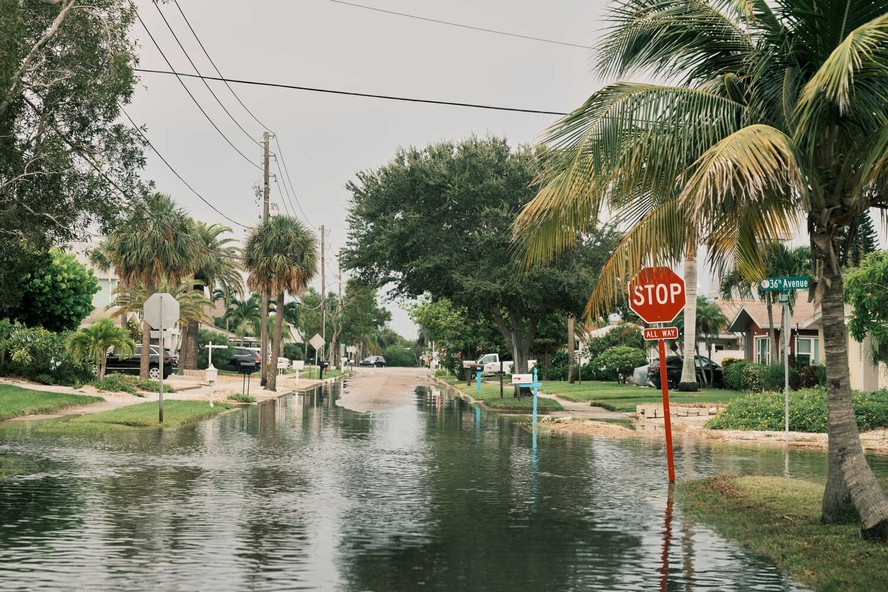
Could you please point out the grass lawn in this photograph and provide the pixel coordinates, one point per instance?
(624, 397)
(16, 401)
(133, 417)
(490, 395)
(779, 517)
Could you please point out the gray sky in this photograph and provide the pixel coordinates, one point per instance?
(326, 139)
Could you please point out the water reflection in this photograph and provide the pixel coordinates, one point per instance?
(302, 494)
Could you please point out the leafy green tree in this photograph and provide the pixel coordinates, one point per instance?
(93, 342)
(778, 112)
(619, 362)
(280, 256)
(155, 244)
(65, 70)
(58, 294)
(866, 289)
(858, 240)
(438, 221)
(362, 317)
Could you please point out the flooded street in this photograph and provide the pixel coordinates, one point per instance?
(300, 493)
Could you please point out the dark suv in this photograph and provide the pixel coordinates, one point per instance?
(131, 364)
(706, 370)
(243, 355)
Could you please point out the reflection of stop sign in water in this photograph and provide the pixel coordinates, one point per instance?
(657, 294)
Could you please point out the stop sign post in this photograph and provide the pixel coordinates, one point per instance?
(657, 295)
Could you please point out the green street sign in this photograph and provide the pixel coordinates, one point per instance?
(784, 284)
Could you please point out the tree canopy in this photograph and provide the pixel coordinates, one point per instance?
(438, 220)
(57, 295)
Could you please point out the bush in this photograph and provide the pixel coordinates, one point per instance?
(397, 355)
(811, 376)
(627, 335)
(242, 398)
(221, 357)
(807, 411)
(726, 362)
(775, 378)
(128, 383)
(618, 363)
(38, 354)
(294, 351)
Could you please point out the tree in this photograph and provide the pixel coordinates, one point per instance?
(777, 112)
(58, 294)
(192, 304)
(93, 342)
(65, 162)
(456, 330)
(711, 321)
(155, 244)
(858, 240)
(216, 266)
(438, 220)
(280, 255)
(362, 316)
(866, 289)
(243, 315)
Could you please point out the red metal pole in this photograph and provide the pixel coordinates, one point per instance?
(664, 387)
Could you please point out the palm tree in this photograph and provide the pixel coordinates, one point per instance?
(155, 243)
(243, 314)
(777, 113)
(216, 265)
(280, 256)
(94, 341)
(710, 323)
(192, 304)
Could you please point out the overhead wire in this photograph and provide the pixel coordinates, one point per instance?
(290, 181)
(175, 172)
(179, 77)
(197, 70)
(462, 26)
(354, 94)
(283, 201)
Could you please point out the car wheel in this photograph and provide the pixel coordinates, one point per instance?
(154, 373)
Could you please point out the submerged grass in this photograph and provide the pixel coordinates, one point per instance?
(624, 397)
(780, 517)
(133, 417)
(490, 395)
(16, 401)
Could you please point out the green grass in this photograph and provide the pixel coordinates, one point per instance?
(242, 398)
(624, 397)
(779, 517)
(133, 417)
(12, 466)
(490, 395)
(16, 401)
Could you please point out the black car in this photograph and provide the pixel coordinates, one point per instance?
(243, 356)
(131, 364)
(377, 361)
(706, 370)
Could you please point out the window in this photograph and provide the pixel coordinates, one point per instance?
(763, 350)
(808, 350)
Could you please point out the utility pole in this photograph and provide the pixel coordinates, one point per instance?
(323, 295)
(263, 310)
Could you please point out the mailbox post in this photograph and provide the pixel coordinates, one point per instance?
(211, 372)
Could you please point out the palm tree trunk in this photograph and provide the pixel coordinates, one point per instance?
(772, 331)
(688, 380)
(190, 345)
(263, 340)
(271, 383)
(570, 349)
(849, 479)
(145, 358)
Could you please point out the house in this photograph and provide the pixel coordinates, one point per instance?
(749, 318)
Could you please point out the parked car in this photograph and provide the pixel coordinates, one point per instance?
(377, 361)
(243, 355)
(131, 364)
(705, 369)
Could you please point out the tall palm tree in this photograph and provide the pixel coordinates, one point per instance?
(94, 340)
(280, 256)
(192, 304)
(217, 265)
(155, 243)
(242, 315)
(776, 114)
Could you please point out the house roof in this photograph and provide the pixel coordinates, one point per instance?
(742, 312)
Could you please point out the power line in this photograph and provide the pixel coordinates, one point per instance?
(353, 94)
(169, 166)
(462, 26)
(283, 200)
(206, 53)
(196, 69)
(290, 181)
(187, 90)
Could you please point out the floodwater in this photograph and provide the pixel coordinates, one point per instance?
(299, 494)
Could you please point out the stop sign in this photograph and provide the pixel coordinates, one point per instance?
(657, 294)
(161, 310)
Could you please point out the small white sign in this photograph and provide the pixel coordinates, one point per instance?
(283, 363)
(522, 379)
(298, 364)
(469, 364)
(317, 341)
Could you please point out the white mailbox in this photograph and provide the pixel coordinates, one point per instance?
(211, 374)
(522, 379)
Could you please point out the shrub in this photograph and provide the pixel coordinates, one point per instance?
(618, 363)
(627, 334)
(221, 357)
(726, 362)
(397, 355)
(38, 354)
(811, 376)
(294, 351)
(807, 411)
(775, 378)
(117, 383)
(242, 398)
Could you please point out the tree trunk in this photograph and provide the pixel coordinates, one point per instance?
(688, 382)
(849, 479)
(570, 349)
(271, 383)
(263, 340)
(189, 352)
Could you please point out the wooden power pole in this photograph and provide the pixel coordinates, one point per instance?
(263, 310)
(323, 296)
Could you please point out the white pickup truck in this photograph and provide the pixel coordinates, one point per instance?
(490, 364)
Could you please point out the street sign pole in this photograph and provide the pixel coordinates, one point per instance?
(160, 361)
(786, 330)
(664, 388)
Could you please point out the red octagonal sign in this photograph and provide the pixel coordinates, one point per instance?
(657, 294)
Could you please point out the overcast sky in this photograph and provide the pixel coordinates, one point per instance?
(326, 139)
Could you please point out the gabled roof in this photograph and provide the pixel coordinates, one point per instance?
(756, 311)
